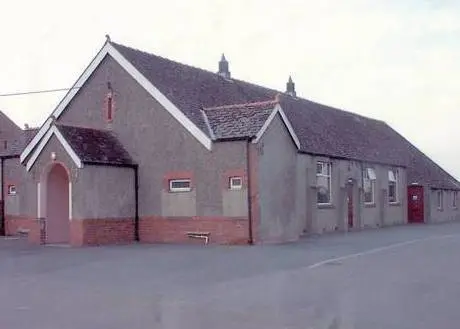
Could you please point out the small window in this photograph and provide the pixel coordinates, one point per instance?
(323, 182)
(454, 199)
(12, 190)
(369, 178)
(109, 106)
(236, 183)
(439, 199)
(180, 185)
(393, 186)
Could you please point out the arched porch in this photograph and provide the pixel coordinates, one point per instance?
(54, 203)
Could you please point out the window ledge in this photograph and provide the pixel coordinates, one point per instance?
(325, 205)
(180, 191)
(395, 204)
(370, 205)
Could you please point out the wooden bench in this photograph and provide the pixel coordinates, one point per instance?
(200, 235)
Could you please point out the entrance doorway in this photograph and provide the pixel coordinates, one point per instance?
(57, 205)
(415, 204)
(350, 204)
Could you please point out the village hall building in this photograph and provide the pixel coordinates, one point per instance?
(147, 149)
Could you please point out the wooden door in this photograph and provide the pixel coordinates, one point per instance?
(350, 204)
(415, 205)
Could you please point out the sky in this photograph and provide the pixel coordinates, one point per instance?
(393, 60)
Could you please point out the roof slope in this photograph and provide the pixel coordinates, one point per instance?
(10, 136)
(95, 146)
(238, 121)
(320, 129)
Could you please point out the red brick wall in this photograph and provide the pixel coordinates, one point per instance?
(101, 231)
(14, 223)
(174, 230)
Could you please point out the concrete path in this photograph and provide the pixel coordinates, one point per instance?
(400, 277)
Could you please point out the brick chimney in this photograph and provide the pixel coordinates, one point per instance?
(223, 68)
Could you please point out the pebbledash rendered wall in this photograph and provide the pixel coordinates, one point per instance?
(102, 200)
(283, 185)
(287, 204)
(17, 216)
(447, 212)
(164, 150)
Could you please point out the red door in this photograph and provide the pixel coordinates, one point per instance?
(350, 204)
(415, 206)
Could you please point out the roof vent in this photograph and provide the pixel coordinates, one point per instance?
(223, 68)
(290, 87)
(26, 126)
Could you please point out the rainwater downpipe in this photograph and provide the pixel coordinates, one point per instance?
(248, 170)
(136, 201)
(2, 191)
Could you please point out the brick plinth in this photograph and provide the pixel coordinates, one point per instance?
(14, 224)
(224, 230)
(101, 231)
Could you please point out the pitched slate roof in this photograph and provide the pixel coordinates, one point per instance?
(16, 146)
(16, 138)
(239, 120)
(321, 129)
(95, 146)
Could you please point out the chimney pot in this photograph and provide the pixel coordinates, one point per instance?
(290, 87)
(223, 68)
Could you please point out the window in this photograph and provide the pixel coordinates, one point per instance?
(109, 106)
(236, 183)
(12, 190)
(393, 186)
(369, 179)
(454, 199)
(180, 185)
(323, 182)
(439, 199)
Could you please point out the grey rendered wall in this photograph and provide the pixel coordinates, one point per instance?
(13, 174)
(326, 218)
(97, 191)
(39, 171)
(333, 217)
(157, 142)
(303, 197)
(103, 192)
(277, 184)
(396, 213)
(447, 212)
(383, 213)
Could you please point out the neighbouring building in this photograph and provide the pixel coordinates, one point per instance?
(152, 150)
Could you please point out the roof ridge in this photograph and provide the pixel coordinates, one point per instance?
(169, 60)
(234, 80)
(240, 105)
(423, 153)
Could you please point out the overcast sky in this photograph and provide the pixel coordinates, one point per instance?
(397, 61)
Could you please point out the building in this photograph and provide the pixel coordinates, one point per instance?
(153, 150)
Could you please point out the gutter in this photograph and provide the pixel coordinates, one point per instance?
(250, 223)
(338, 157)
